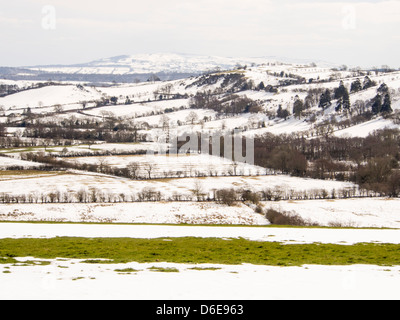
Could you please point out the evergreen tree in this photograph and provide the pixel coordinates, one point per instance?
(382, 94)
(377, 104)
(114, 100)
(298, 107)
(346, 100)
(387, 104)
(339, 105)
(261, 86)
(328, 96)
(322, 103)
(339, 91)
(343, 98)
(325, 99)
(285, 114)
(281, 113)
(383, 89)
(356, 86)
(368, 83)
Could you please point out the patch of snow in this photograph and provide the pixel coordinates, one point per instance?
(71, 279)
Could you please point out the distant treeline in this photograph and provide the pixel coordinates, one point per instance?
(90, 78)
(371, 162)
(148, 194)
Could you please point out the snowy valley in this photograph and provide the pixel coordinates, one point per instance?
(317, 150)
(78, 142)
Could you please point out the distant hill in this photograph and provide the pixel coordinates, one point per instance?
(139, 68)
(151, 63)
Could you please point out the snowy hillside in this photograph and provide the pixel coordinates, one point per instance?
(269, 85)
(84, 142)
(156, 63)
(49, 96)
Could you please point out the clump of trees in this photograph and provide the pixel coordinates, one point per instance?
(282, 113)
(371, 162)
(368, 83)
(325, 99)
(226, 196)
(231, 82)
(381, 103)
(298, 107)
(232, 104)
(109, 130)
(343, 98)
(357, 86)
(287, 219)
(381, 175)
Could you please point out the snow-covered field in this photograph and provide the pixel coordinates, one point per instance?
(70, 279)
(9, 162)
(71, 182)
(362, 130)
(359, 213)
(49, 96)
(187, 164)
(73, 279)
(157, 212)
(355, 213)
(86, 149)
(126, 219)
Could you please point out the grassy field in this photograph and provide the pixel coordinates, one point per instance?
(198, 250)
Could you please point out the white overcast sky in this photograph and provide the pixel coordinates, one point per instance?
(356, 33)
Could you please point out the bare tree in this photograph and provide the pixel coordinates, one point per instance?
(234, 167)
(133, 168)
(198, 191)
(58, 108)
(90, 142)
(149, 167)
(102, 163)
(192, 117)
(82, 196)
(46, 143)
(164, 122)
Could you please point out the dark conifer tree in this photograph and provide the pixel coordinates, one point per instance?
(339, 91)
(377, 104)
(383, 89)
(325, 99)
(346, 100)
(298, 108)
(343, 98)
(368, 83)
(387, 104)
(356, 86)
(339, 105)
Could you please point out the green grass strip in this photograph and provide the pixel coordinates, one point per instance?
(198, 250)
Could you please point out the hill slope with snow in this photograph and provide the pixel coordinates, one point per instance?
(272, 85)
(159, 63)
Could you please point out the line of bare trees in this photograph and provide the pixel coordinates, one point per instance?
(137, 170)
(148, 194)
